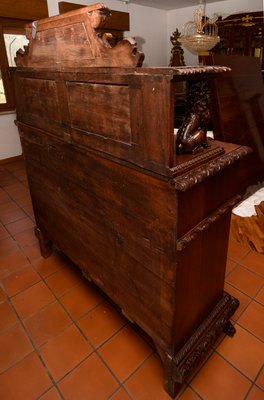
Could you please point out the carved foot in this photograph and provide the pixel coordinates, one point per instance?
(229, 329)
(180, 365)
(44, 243)
(173, 388)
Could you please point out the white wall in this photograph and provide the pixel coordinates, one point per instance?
(177, 18)
(9, 140)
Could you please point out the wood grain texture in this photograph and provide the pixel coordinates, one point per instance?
(110, 191)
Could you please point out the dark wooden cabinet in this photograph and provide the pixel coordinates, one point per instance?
(242, 34)
(148, 226)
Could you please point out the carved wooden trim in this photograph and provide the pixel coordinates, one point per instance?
(204, 337)
(187, 181)
(185, 240)
(196, 160)
(201, 70)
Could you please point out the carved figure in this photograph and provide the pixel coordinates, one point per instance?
(177, 53)
(191, 136)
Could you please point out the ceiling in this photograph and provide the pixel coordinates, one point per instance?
(168, 4)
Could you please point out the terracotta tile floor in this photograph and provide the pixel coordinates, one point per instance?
(60, 339)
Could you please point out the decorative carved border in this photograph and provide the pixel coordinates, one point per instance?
(215, 69)
(185, 240)
(184, 362)
(187, 181)
(197, 159)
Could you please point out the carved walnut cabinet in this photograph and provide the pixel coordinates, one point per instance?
(148, 226)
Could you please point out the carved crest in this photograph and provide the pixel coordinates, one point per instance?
(71, 40)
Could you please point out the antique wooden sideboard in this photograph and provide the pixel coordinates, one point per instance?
(147, 225)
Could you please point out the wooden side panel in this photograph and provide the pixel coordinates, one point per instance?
(99, 109)
(39, 103)
(200, 276)
(116, 224)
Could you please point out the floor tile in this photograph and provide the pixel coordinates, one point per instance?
(101, 323)
(260, 296)
(120, 394)
(28, 210)
(20, 280)
(2, 295)
(32, 299)
(91, 380)
(189, 394)
(6, 179)
(32, 252)
(25, 380)
(64, 280)
(52, 264)
(255, 394)
(3, 232)
(47, 323)
(8, 316)
(51, 394)
(63, 352)
(244, 351)
(4, 198)
(16, 188)
(236, 251)
(230, 265)
(124, 352)
(26, 238)
(255, 262)
(14, 345)
(80, 300)
(7, 245)
(218, 380)
(148, 381)
(12, 216)
(244, 300)
(260, 379)
(19, 226)
(12, 262)
(15, 165)
(253, 319)
(244, 280)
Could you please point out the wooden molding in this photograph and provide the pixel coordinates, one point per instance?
(11, 159)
